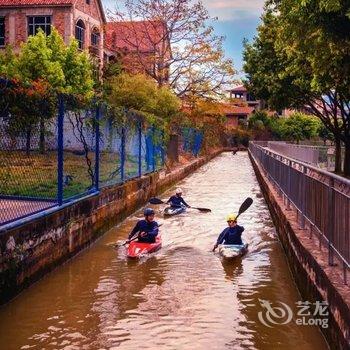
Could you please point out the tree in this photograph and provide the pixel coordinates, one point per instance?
(44, 68)
(263, 126)
(300, 59)
(299, 127)
(207, 115)
(325, 134)
(128, 95)
(186, 54)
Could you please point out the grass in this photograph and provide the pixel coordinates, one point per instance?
(36, 175)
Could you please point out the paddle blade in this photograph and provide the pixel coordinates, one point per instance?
(203, 210)
(245, 205)
(155, 201)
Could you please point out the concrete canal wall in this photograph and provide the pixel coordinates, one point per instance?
(38, 245)
(316, 280)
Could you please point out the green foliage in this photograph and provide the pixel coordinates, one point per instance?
(8, 63)
(112, 69)
(259, 120)
(137, 94)
(63, 68)
(78, 71)
(35, 61)
(264, 126)
(268, 75)
(43, 68)
(301, 58)
(299, 127)
(325, 134)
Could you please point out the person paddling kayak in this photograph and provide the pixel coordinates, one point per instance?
(177, 201)
(147, 229)
(231, 234)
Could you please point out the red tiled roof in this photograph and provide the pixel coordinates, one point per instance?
(142, 36)
(237, 110)
(240, 88)
(36, 2)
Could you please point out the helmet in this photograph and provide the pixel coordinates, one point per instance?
(148, 212)
(231, 217)
(178, 191)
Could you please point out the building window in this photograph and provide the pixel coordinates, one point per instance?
(80, 33)
(39, 22)
(95, 38)
(2, 31)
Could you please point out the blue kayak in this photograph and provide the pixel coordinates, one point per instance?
(232, 251)
(171, 211)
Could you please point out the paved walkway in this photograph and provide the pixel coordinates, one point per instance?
(11, 209)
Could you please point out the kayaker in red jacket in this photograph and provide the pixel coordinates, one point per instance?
(231, 234)
(177, 201)
(147, 229)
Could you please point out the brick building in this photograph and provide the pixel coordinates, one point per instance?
(241, 94)
(82, 19)
(141, 46)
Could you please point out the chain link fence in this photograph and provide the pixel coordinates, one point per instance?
(51, 159)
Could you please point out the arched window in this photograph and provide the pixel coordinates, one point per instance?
(95, 37)
(80, 33)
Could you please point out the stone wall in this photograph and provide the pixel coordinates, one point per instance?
(29, 251)
(315, 279)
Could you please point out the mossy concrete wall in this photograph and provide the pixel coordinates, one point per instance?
(30, 250)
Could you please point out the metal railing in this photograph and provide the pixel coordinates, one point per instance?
(321, 156)
(321, 199)
(306, 154)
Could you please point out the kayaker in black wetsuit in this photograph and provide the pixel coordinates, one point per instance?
(231, 234)
(177, 201)
(147, 229)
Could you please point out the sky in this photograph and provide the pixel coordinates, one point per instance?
(237, 19)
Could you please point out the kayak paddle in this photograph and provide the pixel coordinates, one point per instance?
(244, 206)
(123, 243)
(159, 201)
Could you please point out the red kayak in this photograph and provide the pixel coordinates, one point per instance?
(138, 249)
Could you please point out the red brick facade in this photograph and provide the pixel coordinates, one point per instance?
(121, 38)
(64, 15)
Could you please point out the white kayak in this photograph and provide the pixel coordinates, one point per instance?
(229, 251)
(171, 211)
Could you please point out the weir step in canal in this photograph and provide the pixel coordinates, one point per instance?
(182, 297)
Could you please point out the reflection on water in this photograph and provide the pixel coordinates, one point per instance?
(183, 297)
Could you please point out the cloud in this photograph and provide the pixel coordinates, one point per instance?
(223, 9)
(234, 9)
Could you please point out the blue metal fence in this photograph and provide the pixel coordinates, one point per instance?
(72, 151)
(86, 149)
(192, 140)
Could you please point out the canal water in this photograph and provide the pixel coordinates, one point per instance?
(183, 297)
